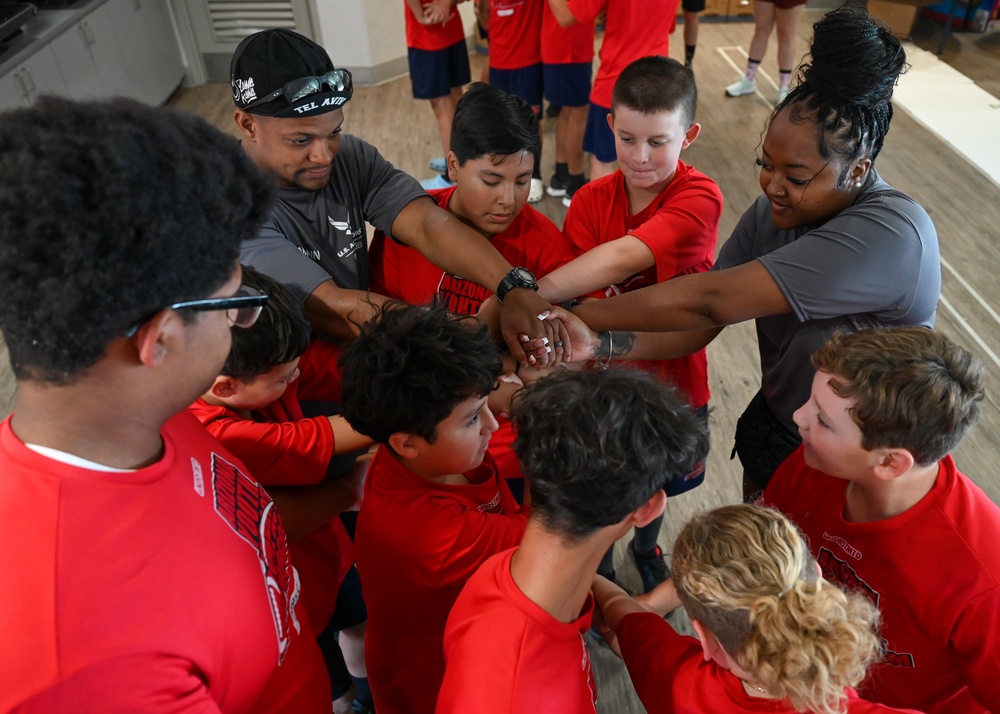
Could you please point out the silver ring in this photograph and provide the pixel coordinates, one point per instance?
(558, 344)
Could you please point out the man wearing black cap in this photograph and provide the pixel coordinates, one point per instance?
(289, 107)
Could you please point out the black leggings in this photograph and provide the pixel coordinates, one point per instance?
(762, 443)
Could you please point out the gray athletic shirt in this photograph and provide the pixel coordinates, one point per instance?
(312, 236)
(874, 263)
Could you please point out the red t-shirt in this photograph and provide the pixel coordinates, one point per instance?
(633, 29)
(680, 227)
(398, 271)
(671, 676)
(507, 655)
(565, 45)
(164, 589)
(433, 37)
(932, 571)
(515, 33)
(283, 448)
(417, 543)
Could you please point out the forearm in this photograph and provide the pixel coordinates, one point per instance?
(303, 509)
(623, 344)
(662, 599)
(607, 264)
(560, 8)
(345, 439)
(338, 312)
(614, 602)
(450, 244)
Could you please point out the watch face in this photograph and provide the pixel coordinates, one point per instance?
(524, 276)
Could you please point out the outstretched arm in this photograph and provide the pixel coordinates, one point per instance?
(452, 246)
(703, 301)
(560, 8)
(339, 312)
(601, 266)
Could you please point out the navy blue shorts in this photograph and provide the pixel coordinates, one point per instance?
(597, 137)
(525, 82)
(568, 85)
(433, 73)
(685, 482)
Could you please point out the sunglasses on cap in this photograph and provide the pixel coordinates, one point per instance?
(338, 80)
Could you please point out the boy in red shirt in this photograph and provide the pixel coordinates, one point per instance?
(515, 28)
(633, 29)
(253, 409)
(494, 149)
(887, 512)
(438, 60)
(595, 447)
(417, 381)
(651, 220)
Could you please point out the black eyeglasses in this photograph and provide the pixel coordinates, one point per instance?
(339, 80)
(242, 309)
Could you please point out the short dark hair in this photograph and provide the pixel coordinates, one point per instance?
(655, 84)
(491, 122)
(281, 333)
(913, 388)
(595, 446)
(411, 366)
(109, 211)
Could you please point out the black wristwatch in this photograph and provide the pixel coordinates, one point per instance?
(517, 278)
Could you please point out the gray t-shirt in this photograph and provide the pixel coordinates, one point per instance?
(312, 236)
(874, 263)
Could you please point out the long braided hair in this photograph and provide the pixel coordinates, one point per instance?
(846, 86)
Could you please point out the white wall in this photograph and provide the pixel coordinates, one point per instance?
(369, 36)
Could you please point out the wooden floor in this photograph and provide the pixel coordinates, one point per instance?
(965, 207)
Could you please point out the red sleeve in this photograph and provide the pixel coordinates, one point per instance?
(475, 536)
(976, 641)
(654, 653)
(292, 453)
(586, 11)
(319, 372)
(683, 232)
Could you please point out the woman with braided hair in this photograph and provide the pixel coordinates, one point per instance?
(828, 246)
(773, 635)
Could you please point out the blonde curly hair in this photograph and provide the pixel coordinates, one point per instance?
(746, 573)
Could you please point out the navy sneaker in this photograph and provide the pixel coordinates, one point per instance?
(653, 568)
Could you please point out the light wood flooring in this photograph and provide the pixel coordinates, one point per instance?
(964, 204)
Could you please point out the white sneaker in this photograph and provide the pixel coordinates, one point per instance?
(782, 93)
(438, 181)
(537, 191)
(439, 165)
(743, 86)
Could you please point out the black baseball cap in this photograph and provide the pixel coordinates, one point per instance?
(280, 73)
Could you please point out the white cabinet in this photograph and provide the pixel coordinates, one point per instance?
(117, 48)
(38, 74)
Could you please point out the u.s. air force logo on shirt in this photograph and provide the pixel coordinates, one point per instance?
(348, 239)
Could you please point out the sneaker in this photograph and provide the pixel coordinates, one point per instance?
(439, 181)
(573, 184)
(557, 186)
(743, 86)
(653, 568)
(439, 164)
(552, 111)
(537, 191)
(362, 708)
(782, 93)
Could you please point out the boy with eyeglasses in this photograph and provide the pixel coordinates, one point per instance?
(253, 408)
(147, 570)
(330, 184)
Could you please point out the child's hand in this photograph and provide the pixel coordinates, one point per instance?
(508, 384)
(357, 478)
(606, 633)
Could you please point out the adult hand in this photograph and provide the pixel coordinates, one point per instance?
(580, 343)
(523, 315)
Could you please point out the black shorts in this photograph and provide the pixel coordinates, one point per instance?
(693, 5)
(762, 443)
(350, 611)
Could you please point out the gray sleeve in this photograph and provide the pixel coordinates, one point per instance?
(385, 190)
(739, 248)
(277, 257)
(879, 256)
